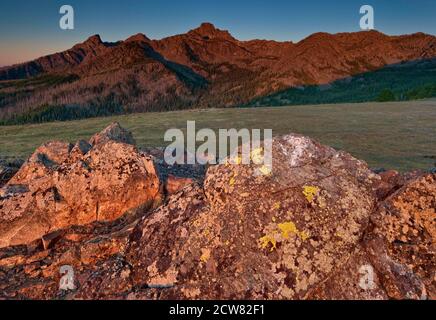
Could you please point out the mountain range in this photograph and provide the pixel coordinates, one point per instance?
(205, 67)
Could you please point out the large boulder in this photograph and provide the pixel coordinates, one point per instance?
(397, 256)
(254, 234)
(402, 240)
(63, 185)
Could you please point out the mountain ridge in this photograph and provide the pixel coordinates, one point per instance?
(205, 67)
(208, 31)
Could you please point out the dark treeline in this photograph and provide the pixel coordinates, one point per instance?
(63, 113)
(403, 82)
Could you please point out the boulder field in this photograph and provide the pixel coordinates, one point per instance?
(320, 225)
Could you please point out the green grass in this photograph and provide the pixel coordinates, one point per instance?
(399, 135)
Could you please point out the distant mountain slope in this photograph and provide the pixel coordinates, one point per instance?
(58, 62)
(405, 81)
(206, 67)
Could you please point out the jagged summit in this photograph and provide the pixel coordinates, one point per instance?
(138, 37)
(95, 39)
(93, 42)
(209, 31)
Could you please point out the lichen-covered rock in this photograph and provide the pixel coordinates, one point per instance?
(354, 280)
(92, 251)
(45, 158)
(114, 132)
(61, 185)
(397, 257)
(253, 234)
(319, 225)
(402, 242)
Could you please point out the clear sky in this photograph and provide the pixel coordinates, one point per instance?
(30, 28)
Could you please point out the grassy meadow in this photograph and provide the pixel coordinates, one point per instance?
(398, 135)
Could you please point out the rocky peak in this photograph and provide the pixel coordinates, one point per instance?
(208, 31)
(138, 37)
(93, 41)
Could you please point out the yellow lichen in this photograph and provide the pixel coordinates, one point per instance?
(238, 160)
(265, 170)
(310, 192)
(267, 240)
(232, 181)
(196, 223)
(304, 235)
(287, 228)
(205, 256)
(276, 206)
(282, 232)
(257, 155)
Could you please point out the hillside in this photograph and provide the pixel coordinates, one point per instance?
(206, 67)
(399, 82)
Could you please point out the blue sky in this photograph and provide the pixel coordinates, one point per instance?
(29, 28)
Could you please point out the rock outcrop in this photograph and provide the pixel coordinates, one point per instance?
(320, 225)
(396, 259)
(63, 185)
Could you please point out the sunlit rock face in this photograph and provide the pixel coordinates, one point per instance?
(63, 185)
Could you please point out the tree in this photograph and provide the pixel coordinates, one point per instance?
(386, 95)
